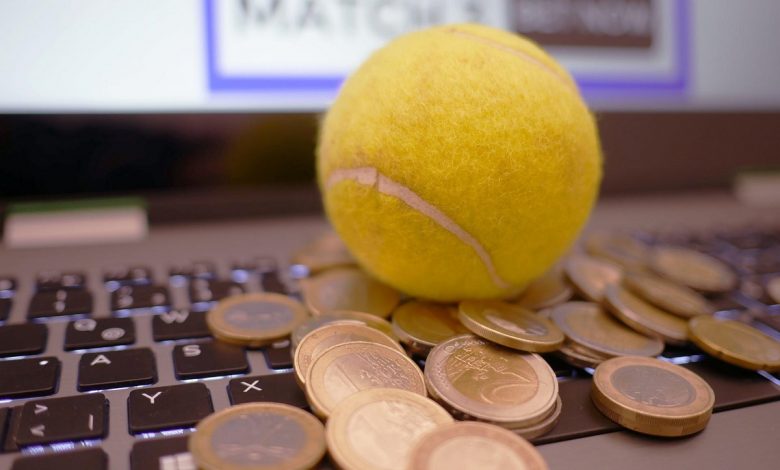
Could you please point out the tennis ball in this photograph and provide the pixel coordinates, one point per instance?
(458, 162)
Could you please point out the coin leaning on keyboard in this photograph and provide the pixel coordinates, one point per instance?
(613, 309)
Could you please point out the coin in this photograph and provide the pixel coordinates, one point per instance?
(313, 323)
(348, 289)
(578, 358)
(644, 317)
(510, 325)
(326, 252)
(652, 396)
(773, 289)
(736, 343)
(376, 429)
(256, 319)
(693, 269)
(548, 290)
(347, 368)
(422, 325)
(621, 249)
(488, 382)
(591, 276)
(589, 325)
(668, 296)
(543, 427)
(317, 341)
(474, 445)
(258, 436)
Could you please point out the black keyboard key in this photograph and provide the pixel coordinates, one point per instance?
(734, 387)
(99, 332)
(136, 297)
(88, 459)
(211, 290)
(279, 356)
(196, 269)
(161, 454)
(63, 419)
(8, 444)
(5, 415)
(176, 406)
(280, 388)
(192, 361)
(60, 302)
(112, 369)
(179, 324)
(55, 280)
(129, 275)
(7, 286)
(270, 282)
(5, 308)
(29, 377)
(23, 339)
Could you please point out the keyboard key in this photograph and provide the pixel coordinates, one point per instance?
(279, 356)
(179, 324)
(62, 419)
(59, 303)
(192, 361)
(23, 339)
(161, 454)
(270, 282)
(734, 387)
(210, 290)
(7, 285)
(196, 269)
(5, 414)
(144, 296)
(5, 308)
(8, 444)
(88, 459)
(280, 388)
(99, 332)
(176, 406)
(29, 377)
(128, 275)
(112, 369)
(56, 280)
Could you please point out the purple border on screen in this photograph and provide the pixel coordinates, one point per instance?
(590, 85)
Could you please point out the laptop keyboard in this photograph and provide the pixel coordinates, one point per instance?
(137, 379)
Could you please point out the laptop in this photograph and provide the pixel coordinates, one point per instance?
(154, 167)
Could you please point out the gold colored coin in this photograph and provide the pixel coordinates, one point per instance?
(237, 438)
(422, 325)
(326, 252)
(376, 429)
(344, 369)
(474, 445)
(621, 249)
(488, 382)
(543, 427)
(348, 289)
(510, 325)
(549, 290)
(668, 296)
(340, 315)
(693, 269)
(591, 276)
(589, 325)
(319, 340)
(736, 343)
(578, 358)
(773, 289)
(255, 320)
(652, 396)
(644, 317)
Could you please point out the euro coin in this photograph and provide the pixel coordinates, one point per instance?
(621, 249)
(652, 396)
(312, 323)
(376, 429)
(693, 269)
(543, 427)
(256, 319)
(317, 341)
(510, 325)
(348, 289)
(347, 368)
(773, 289)
(549, 290)
(326, 252)
(422, 325)
(668, 296)
(488, 382)
(736, 343)
(591, 276)
(474, 445)
(644, 317)
(587, 324)
(241, 438)
(578, 358)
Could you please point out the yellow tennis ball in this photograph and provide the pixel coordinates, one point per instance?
(459, 162)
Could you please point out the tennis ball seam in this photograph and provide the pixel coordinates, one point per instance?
(371, 176)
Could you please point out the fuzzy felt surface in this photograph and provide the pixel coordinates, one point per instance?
(487, 130)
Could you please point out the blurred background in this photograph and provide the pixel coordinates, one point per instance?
(167, 97)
